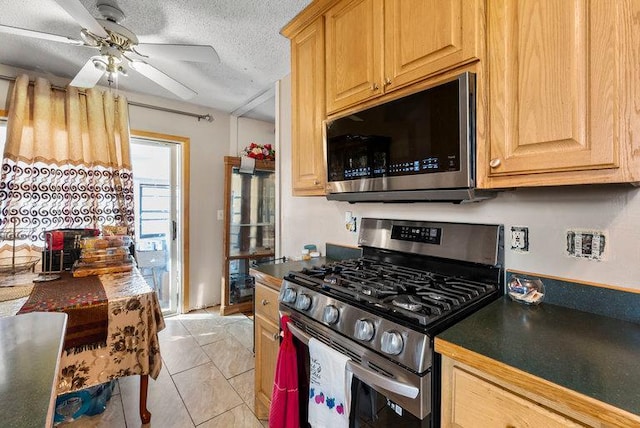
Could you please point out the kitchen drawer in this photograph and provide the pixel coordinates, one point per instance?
(478, 402)
(267, 302)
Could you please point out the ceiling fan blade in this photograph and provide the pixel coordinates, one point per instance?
(39, 35)
(195, 53)
(169, 83)
(88, 75)
(82, 15)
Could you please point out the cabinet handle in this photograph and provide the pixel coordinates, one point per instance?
(264, 302)
(374, 86)
(316, 182)
(387, 81)
(494, 163)
(276, 336)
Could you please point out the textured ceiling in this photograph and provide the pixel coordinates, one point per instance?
(245, 33)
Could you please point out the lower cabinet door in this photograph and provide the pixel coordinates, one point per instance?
(267, 343)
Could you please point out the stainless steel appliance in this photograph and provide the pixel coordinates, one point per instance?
(417, 148)
(384, 309)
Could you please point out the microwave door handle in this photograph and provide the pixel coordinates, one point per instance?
(367, 376)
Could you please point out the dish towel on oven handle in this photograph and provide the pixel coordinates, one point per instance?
(285, 410)
(329, 387)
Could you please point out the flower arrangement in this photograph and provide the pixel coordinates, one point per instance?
(260, 152)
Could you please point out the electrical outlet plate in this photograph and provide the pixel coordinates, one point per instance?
(586, 244)
(350, 221)
(520, 238)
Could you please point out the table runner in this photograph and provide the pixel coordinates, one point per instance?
(85, 302)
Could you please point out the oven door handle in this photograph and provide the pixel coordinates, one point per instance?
(367, 376)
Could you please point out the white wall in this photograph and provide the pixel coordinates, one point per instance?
(209, 144)
(548, 212)
(252, 131)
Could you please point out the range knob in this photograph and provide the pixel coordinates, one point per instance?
(364, 330)
(303, 302)
(330, 314)
(289, 295)
(391, 342)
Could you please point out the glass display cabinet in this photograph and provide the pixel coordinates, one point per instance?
(249, 219)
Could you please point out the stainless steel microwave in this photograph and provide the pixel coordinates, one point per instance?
(417, 148)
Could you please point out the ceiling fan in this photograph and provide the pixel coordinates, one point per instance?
(119, 48)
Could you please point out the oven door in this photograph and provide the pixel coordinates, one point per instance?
(382, 395)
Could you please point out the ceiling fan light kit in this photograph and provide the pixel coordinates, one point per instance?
(116, 43)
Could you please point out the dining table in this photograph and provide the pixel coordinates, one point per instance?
(129, 346)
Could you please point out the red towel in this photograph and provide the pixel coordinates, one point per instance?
(284, 411)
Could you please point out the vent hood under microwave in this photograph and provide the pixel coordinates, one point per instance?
(417, 148)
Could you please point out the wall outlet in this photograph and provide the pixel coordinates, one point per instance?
(520, 238)
(586, 244)
(350, 221)
(220, 215)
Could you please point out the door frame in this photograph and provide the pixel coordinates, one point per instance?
(184, 143)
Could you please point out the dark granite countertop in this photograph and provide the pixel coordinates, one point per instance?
(591, 354)
(279, 270)
(30, 352)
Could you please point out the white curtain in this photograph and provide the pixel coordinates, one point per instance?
(66, 162)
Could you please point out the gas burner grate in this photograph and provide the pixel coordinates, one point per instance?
(411, 294)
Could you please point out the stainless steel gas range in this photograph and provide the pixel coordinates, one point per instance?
(383, 310)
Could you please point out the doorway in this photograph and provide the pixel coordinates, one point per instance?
(160, 226)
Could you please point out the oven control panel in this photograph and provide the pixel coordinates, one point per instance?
(427, 235)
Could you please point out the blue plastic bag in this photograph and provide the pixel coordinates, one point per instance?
(90, 401)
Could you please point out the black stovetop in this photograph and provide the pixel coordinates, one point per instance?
(413, 297)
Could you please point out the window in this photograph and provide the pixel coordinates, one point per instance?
(154, 211)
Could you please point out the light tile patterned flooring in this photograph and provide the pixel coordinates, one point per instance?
(206, 379)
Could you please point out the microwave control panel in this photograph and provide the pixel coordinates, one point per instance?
(427, 235)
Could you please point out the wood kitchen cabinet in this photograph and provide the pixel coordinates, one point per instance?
(346, 51)
(266, 341)
(562, 93)
(376, 46)
(473, 399)
(307, 110)
(354, 43)
(478, 391)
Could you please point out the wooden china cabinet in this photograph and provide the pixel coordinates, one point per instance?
(249, 230)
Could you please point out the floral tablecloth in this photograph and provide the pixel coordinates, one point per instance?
(135, 318)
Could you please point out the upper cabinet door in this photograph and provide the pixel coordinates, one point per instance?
(425, 37)
(354, 47)
(307, 110)
(553, 95)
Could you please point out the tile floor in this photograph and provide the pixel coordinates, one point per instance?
(206, 379)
